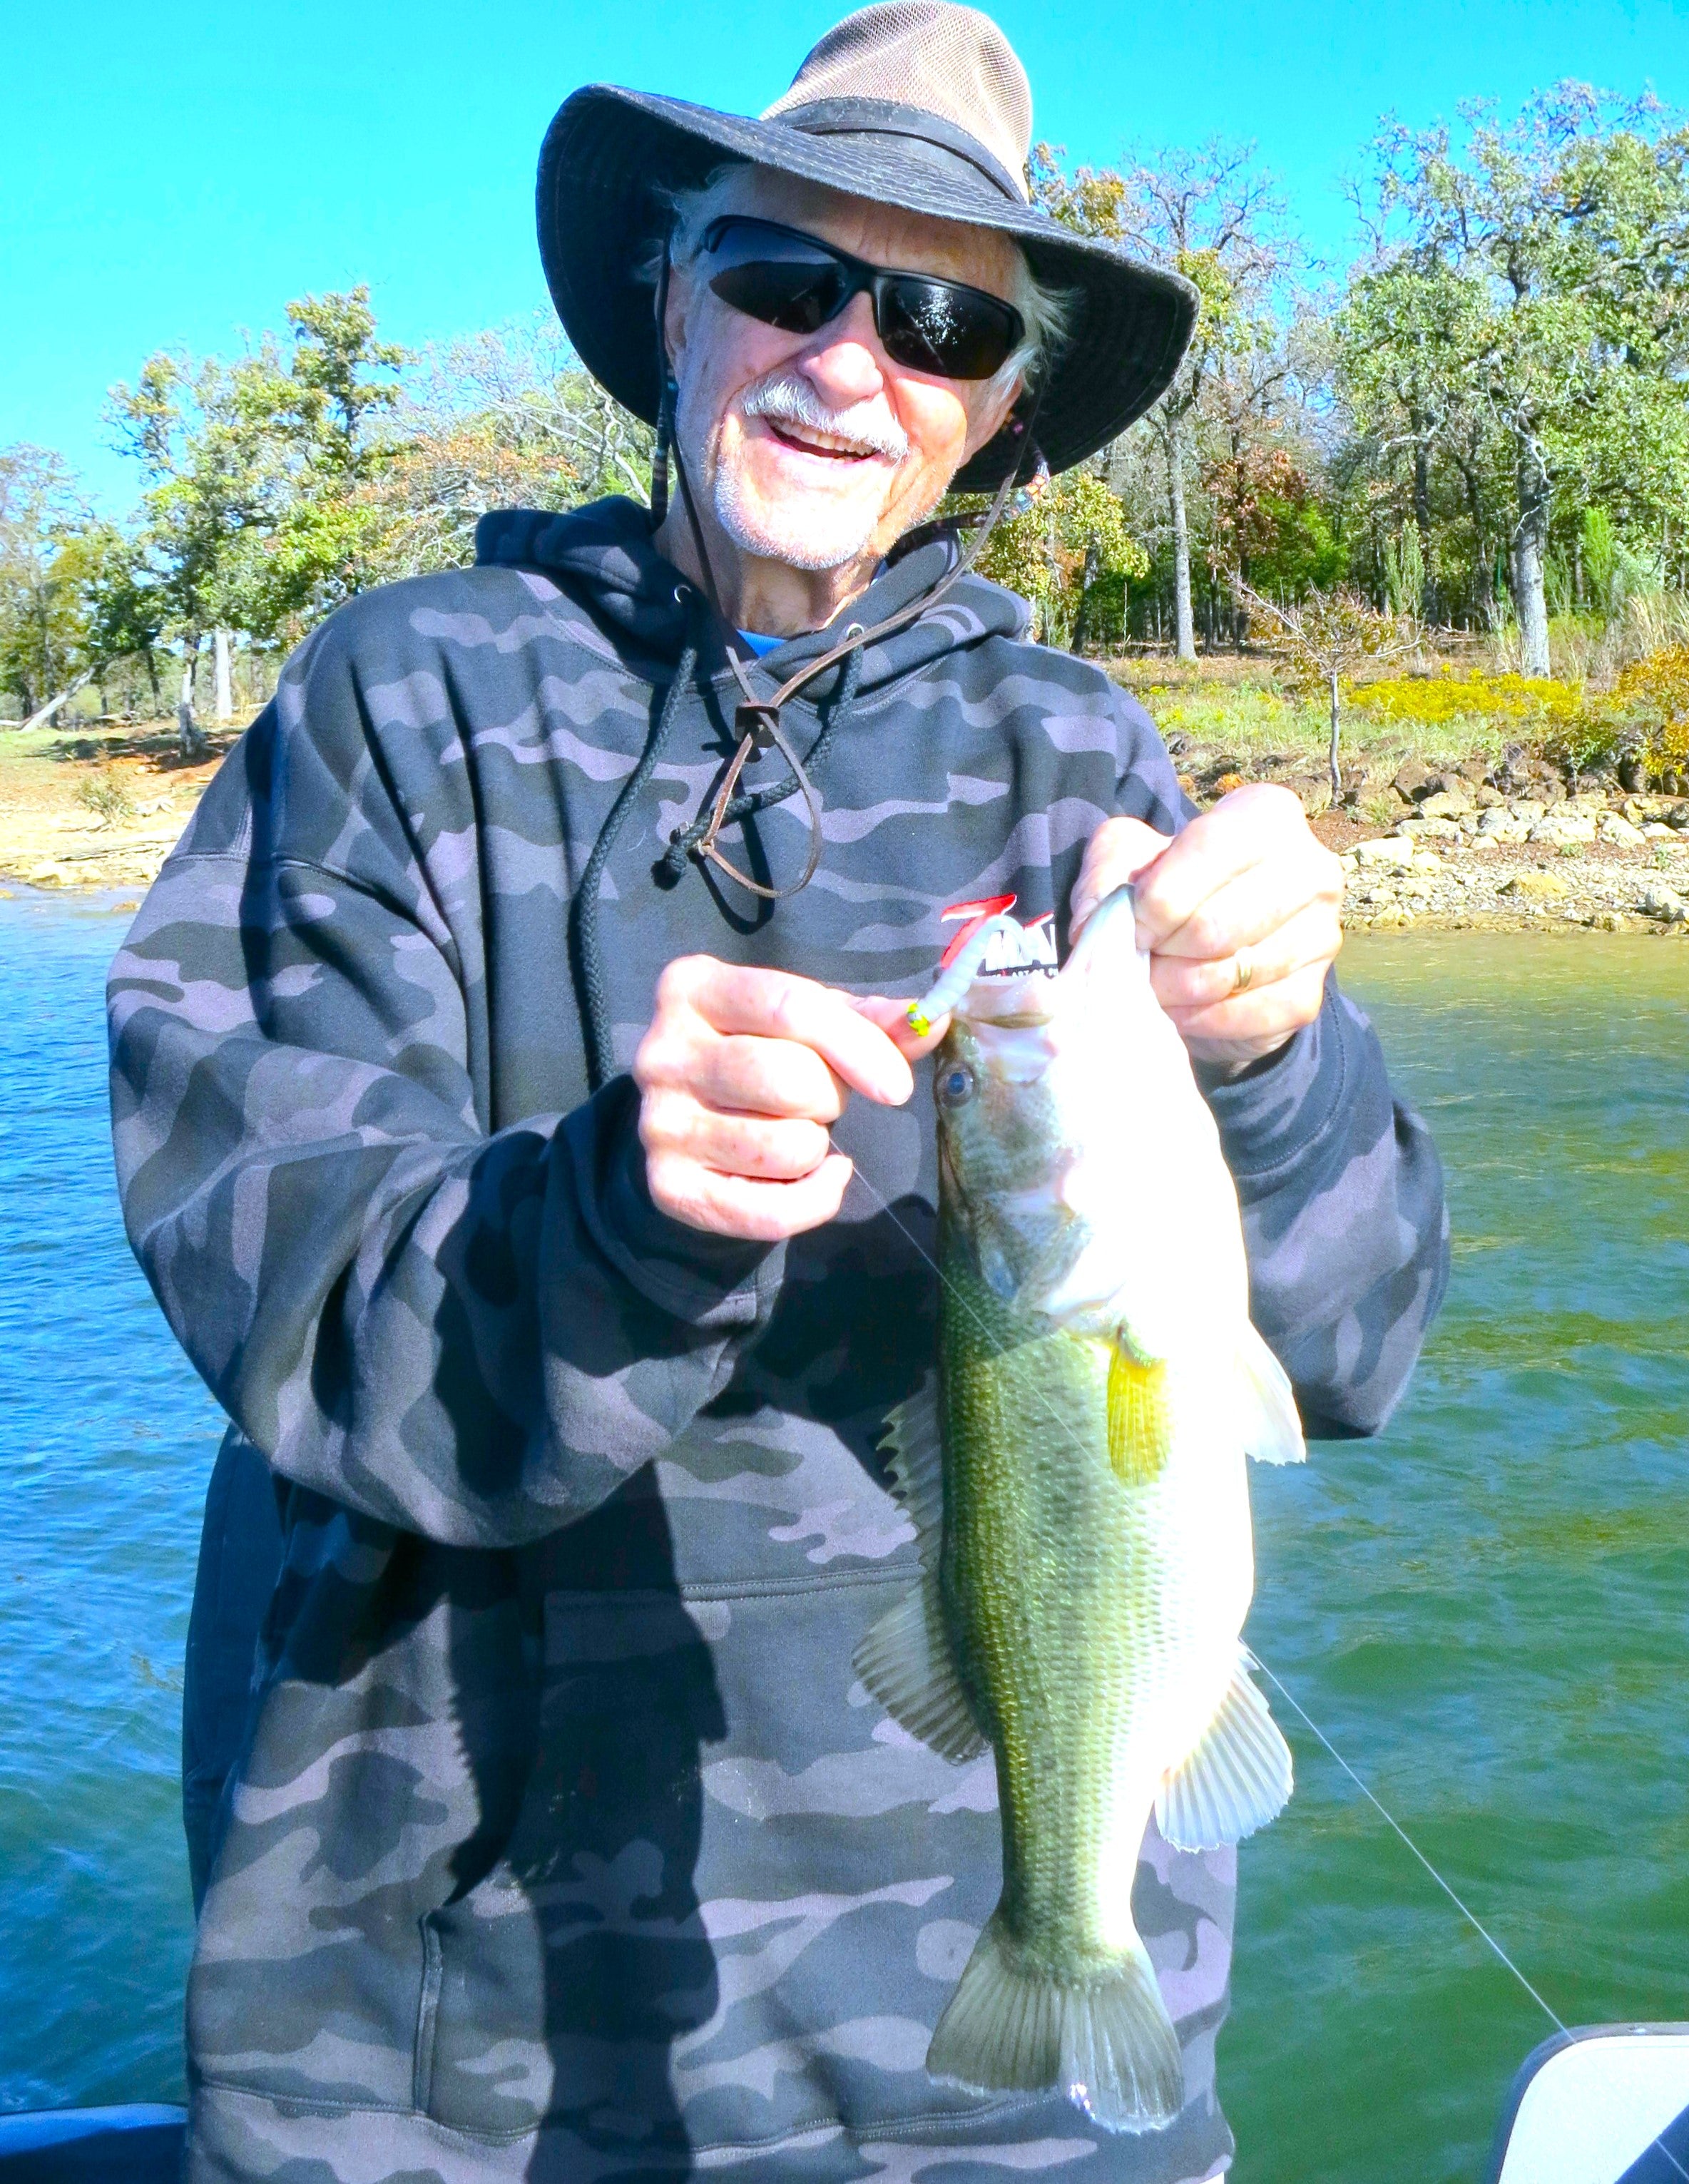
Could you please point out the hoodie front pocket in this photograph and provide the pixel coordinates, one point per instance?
(566, 1974)
(727, 1911)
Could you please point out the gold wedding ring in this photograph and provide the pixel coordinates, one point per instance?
(1243, 974)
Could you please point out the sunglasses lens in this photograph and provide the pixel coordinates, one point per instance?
(791, 280)
(941, 328)
(774, 277)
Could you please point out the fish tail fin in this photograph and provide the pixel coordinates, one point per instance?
(1106, 2042)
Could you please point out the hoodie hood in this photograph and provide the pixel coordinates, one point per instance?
(602, 559)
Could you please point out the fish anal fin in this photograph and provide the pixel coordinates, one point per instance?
(1237, 1778)
(1272, 1429)
(1107, 2041)
(905, 1660)
(1139, 1415)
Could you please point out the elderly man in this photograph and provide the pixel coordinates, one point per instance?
(513, 1112)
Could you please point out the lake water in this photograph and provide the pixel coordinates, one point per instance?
(1487, 1610)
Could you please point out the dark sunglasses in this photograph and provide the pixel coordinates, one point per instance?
(797, 282)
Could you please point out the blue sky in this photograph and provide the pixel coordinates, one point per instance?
(173, 173)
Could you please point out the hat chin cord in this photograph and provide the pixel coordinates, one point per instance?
(757, 719)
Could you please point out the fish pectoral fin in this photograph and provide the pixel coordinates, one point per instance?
(914, 1448)
(1272, 1429)
(1140, 1416)
(905, 1660)
(1237, 1777)
(1106, 2040)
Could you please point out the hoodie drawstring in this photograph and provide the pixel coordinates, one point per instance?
(728, 808)
(585, 949)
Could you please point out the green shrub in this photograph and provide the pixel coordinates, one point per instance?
(104, 795)
(1653, 696)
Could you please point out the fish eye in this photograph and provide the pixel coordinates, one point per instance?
(955, 1085)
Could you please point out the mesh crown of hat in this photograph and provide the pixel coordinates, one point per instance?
(934, 54)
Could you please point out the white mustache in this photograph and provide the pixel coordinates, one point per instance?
(787, 398)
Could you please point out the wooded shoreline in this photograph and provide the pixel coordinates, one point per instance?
(1431, 839)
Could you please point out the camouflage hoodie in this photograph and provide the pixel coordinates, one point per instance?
(562, 1841)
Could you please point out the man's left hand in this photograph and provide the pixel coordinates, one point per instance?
(1239, 914)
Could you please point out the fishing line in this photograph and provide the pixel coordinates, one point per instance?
(1373, 1799)
(1658, 2144)
(1064, 1426)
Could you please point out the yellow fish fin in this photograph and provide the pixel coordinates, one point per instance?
(1140, 1416)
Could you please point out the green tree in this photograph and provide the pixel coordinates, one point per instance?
(1057, 552)
(1212, 215)
(329, 412)
(260, 512)
(43, 612)
(1522, 315)
(205, 436)
(123, 614)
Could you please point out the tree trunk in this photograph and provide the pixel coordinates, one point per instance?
(1336, 730)
(1185, 645)
(43, 714)
(1076, 643)
(188, 737)
(225, 701)
(1529, 550)
(1428, 603)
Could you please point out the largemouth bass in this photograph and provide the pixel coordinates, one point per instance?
(1078, 1483)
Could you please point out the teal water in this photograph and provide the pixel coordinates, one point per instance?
(1487, 1610)
(106, 1440)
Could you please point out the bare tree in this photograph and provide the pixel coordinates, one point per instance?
(1326, 636)
(504, 418)
(1213, 215)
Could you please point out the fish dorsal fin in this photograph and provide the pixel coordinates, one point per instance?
(1272, 1431)
(1237, 1777)
(915, 1457)
(905, 1659)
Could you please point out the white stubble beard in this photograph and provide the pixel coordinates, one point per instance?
(814, 533)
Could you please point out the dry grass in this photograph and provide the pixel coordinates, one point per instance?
(97, 805)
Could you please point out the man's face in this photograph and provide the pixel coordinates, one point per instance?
(873, 444)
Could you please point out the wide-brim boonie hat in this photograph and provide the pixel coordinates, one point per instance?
(917, 103)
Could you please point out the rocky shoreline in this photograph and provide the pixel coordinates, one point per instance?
(1504, 848)
(1613, 866)
(1504, 845)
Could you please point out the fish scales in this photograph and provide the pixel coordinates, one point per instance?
(1126, 1579)
(1088, 1561)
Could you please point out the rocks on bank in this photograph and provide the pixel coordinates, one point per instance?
(1509, 843)
(1586, 860)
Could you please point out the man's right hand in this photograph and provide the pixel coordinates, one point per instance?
(741, 1075)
